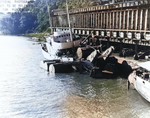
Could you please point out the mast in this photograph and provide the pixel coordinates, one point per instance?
(50, 20)
(69, 21)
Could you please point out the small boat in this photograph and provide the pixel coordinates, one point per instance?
(141, 80)
(60, 44)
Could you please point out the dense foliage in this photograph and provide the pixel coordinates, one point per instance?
(32, 18)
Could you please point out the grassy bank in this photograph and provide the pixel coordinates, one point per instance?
(39, 36)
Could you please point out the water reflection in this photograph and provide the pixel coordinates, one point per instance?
(105, 98)
(27, 91)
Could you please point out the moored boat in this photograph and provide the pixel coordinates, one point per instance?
(140, 79)
(60, 44)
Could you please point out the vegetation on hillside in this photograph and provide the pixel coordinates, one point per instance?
(30, 19)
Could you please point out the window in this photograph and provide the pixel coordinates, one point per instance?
(13, 5)
(13, 9)
(1, 5)
(20, 5)
(8, 5)
(5, 9)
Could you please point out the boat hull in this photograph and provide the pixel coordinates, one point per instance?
(60, 48)
(65, 45)
(54, 57)
(143, 87)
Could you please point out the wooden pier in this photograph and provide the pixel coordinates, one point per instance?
(127, 22)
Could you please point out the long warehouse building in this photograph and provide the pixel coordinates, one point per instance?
(129, 21)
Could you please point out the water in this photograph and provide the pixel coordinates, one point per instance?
(27, 91)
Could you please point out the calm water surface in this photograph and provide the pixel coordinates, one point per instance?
(27, 91)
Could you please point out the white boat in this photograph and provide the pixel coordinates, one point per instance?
(60, 44)
(140, 79)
